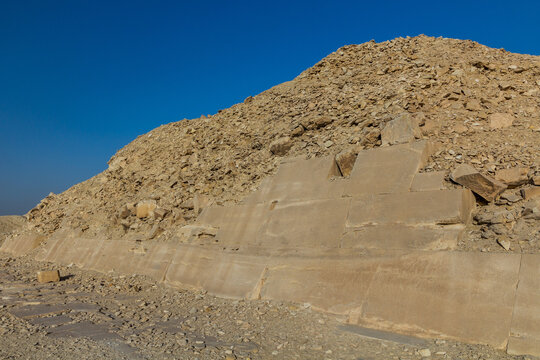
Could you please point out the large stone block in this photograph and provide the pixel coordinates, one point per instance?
(412, 208)
(298, 179)
(525, 330)
(386, 170)
(314, 223)
(225, 274)
(464, 296)
(22, 244)
(483, 185)
(237, 225)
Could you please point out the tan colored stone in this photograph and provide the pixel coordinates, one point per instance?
(315, 223)
(412, 208)
(536, 180)
(48, 276)
(146, 208)
(513, 177)
(22, 244)
(345, 161)
(483, 185)
(398, 236)
(500, 120)
(281, 146)
(473, 105)
(402, 129)
(429, 181)
(525, 330)
(386, 170)
(531, 192)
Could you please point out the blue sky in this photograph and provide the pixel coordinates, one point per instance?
(80, 79)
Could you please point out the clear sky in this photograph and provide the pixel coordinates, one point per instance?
(80, 79)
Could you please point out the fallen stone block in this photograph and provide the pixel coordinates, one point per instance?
(281, 146)
(48, 276)
(145, 208)
(485, 186)
(513, 177)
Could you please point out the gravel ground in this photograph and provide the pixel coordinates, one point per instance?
(88, 315)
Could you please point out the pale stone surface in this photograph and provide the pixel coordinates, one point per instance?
(460, 295)
(22, 244)
(48, 276)
(386, 170)
(402, 129)
(281, 146)
(525, 330)
(145, 208)
(513, 177)
(412, 208)
(316, 223)
(429, 181)
(397, 236)
(345, 161)
(483, 185)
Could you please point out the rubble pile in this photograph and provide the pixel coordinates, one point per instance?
(480, 105)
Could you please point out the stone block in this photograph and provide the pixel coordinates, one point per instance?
(402, 129)
(236, 225)
(221, 273)
(145, 208)
(464, 296)
(345, 160)
(483, 185)
(298, 179)
(525, 331)
(429, 181)
(412, 208)
(22, 244)
(315, 223)
(386, 170)
(397, 236)
(500, 120)
(48, 276)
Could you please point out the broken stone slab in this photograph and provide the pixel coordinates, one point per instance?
(485, 186)
(429, 181)
(22, 244)
(345, 160)
(48, 276)
(513, 177)
(403, 129)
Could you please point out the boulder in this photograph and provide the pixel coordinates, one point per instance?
(48, 276)
(281, 146)
(485, 186)
(513, 177)
(531, 193)
(145, 208)
(400, 130)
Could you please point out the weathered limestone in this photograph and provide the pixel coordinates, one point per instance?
(513, 177)
(48, 276)
(412, 208)
(386, 170)
(428, 181)
(22, 244)
(482, 185)
(366, 248)
(532, 192)
(500, 120)
(402, 129)
(525, 330)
